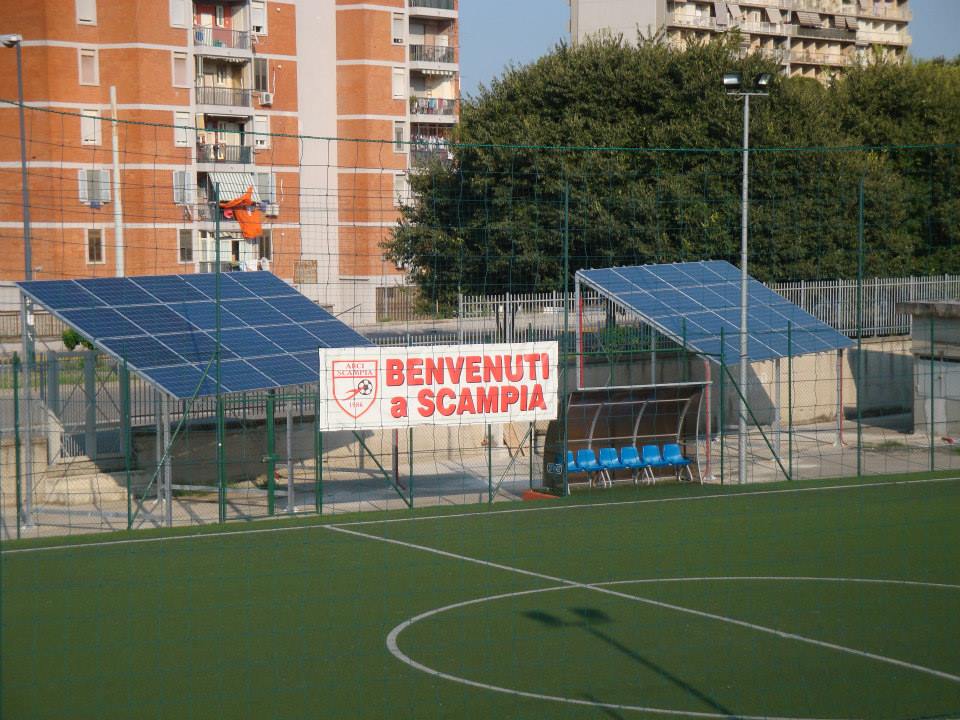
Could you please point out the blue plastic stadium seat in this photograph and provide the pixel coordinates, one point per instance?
(587, 461)
(652, 459)
(630, 458)
(673, 456)
(572, 466)
(610, 460)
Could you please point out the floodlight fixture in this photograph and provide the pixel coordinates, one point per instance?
(732, 80)
(764, 80)
(10, 40)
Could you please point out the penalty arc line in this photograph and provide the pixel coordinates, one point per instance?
(657, 603)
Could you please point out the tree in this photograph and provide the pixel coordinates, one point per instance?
(595, 143)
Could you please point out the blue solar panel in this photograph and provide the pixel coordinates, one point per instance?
(163, 326)
(695, 301)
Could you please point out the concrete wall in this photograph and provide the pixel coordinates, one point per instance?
(588, 17)
(946, 397)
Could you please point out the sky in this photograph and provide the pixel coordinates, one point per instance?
(494, 33)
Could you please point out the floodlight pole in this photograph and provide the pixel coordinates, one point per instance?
(744, 295)
(744, 276)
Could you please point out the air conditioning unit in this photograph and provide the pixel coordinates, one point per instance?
(271, 210)
(266, 98)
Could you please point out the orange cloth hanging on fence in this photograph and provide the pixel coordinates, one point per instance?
(246, 213)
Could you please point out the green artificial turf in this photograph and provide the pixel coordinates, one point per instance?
(283, 621)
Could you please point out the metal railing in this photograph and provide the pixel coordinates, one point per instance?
(685, 20)
(433, 53)
(221, 38)
(224, 153)
(822, 33)
(234, 97)
(435, 4)
(432, 106)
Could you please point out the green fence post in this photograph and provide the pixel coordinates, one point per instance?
(564, 429)
(489, 464)
(127, 434)
(790, 396)
(723, 392)
(16, 437)
(271, 453)
(933, 390)
(410, 464)
(860, 379)
(530, 454)
(686, 356)
(317, 456)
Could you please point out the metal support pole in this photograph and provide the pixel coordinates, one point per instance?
(117, 199)
(395, 455)
(723, 393)
(777, 420)
(933, 393)
(168, 463)
(291, 490)
(317, 456)
(790, 396)
(127, 430)
(271, 453)
(90, 406)
(530, 454)
(410, 464)
(839, 398)
(489, 464)
(27, 412)
(860, 360)
(744, 279)
(158, 448)
(16, 438)
(221, 470)
(564, 401)
(708, 389)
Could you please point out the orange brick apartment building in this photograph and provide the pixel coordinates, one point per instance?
(241, 78)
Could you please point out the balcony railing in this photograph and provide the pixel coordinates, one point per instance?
(223, 153)
(819, 58)
(221, 38)
(432, 106)
(435, 4)
(432, 53)
(685, 20)
(234, 97)
(823, 33)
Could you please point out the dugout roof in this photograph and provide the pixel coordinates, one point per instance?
(697, 303)
(163, 326)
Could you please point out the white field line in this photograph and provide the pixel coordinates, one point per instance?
(659, 604)
(394, 647)
(511, 511)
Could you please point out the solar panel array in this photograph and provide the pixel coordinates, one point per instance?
(164, 327)
(691, 302)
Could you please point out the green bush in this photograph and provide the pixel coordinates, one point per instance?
(71, 338)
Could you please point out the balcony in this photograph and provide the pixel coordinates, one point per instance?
(215, 37)
(823, 33)
(432, 8)
(819, 58)
(433, 54)
(433, 106)
(435, 4)
(691, 21)
(763, 28)
(223, 153)
(875, 37)
(224, 96)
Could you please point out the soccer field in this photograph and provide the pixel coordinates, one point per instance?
(799, 600)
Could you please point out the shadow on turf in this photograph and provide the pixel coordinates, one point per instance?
(590, 618)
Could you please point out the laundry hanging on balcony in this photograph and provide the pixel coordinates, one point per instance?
(246, 213)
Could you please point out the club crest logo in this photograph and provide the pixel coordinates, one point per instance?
(355, 385)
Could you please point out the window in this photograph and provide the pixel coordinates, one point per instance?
(258, 17)
(265, 245)
(399, 83)
(180, 75)
(261, 129)
(260, 78)
(90, 127)
(181, 133)
(399, 28)
(220, 19)
(401, 189)
(89, 66)
(94, 246)
(266, 187)
(182, 187)
(185, 245)
(94, 187)
(87, 12)
(399, 136)
(178, 13)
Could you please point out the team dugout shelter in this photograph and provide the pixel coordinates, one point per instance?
(676, 311)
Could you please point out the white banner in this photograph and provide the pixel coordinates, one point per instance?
(381, 387)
